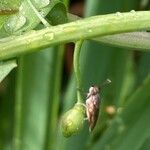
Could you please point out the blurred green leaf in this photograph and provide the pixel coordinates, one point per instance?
(6, 67)
(143, 66)
(32, 96)
(146, 145)
(7, 111)
(55, 97)
(58, 14)
(130, 128)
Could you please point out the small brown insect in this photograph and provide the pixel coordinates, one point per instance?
(92, 106)
(93, 101)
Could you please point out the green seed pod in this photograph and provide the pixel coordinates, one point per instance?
(72, 121)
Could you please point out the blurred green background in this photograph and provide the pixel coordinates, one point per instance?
(36, 94)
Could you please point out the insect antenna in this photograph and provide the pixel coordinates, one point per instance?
(108, 81)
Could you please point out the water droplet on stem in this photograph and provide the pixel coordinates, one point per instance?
(132, 11)
(119, 14)
(15, 23)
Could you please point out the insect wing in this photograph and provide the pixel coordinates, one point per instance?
(92, 110)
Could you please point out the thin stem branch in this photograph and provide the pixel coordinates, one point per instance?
(18, 109)
(81, 29)
(46, 24)
(76, 63)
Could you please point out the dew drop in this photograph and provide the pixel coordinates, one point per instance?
(15, 23)
(119, 14)
(132, 11)
(49, 36)
(69, 29)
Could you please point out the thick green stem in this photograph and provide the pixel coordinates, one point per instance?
(131, 40)
(76, 63)
(81, 29)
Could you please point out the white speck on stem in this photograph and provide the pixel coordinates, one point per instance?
(49, 36)
(119, 14)
(132, 11)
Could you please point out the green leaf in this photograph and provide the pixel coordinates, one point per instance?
(7, 111)
(58, 14)
(32, 100)
(129, 129)
(6, 67)
(55, 97)
(146, 144)
(143, 67)
(132, 40)
(26, 19)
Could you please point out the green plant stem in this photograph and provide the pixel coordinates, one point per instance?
(131, 40)
(76, 63)
(18, 109)
(81, 29)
